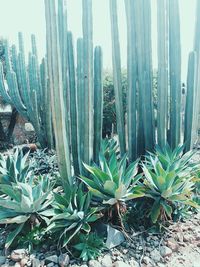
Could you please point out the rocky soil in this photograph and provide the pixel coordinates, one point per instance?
(179, 246)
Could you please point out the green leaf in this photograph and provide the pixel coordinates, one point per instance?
(11, 236)
(155, 211)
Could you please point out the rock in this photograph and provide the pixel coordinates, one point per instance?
(29, 127)
(146, 260)
(63, 260)
(180, 237)
(18, 254)
(35, 262)
(120, 264)
(17, 264)
(134, 263)
(94, 263)
(53, 258)
(155, 255)
(114, 237)
(106, 261)
(24, 262)
(171, 243)
(2, 260)
(161, 265)
(165, 251)
(187, 238)
(51, 264)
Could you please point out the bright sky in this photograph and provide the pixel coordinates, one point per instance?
(28, 16)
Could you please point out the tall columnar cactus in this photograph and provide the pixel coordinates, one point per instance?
(80, 97)
(190, 131)
(175, 73)
(196, 121)
(144, 51)
(56, 87)
(116, 60)
(87, 25)
(162, 84)
(73, 104)
(132, 80)
(98, 101)
(22, 88)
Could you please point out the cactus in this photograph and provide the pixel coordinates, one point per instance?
(98, 101)
(162, 112)
(175, 73)
(132, 80)
(189, 131)
(87, 25)
(25, 91)
(116, 60)
(56, 87)
(73, 104)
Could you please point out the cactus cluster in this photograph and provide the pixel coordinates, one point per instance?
(75, 89)
(26, 88)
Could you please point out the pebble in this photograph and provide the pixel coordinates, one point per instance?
(106, 261)
(35, 262)
(165, 251)
(53, 258)
(172, 244)
(134, 263)
(64, 260)
(2, 260)
(18, 254)
(94, 263)
(155, 255)
(120, 264)
(146, 260)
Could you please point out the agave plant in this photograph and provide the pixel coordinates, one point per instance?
(168, 181)
(73, 213)
(14, 168)
(25, 203)
(113, 183)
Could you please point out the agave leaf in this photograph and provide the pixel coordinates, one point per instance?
(17, 219)
(155, 211)
(67, 239)
(111, 201)
(11, 236)
(110, 187)
(25, 204)
(167, 208)
(86, 227)
(121, 191)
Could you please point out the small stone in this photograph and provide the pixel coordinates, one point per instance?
(23, 262)
(161, 265)
(155, 255)
(106, 261)
(146, 260)
(53, 258)
(120, 264)
(187, 238)
(18, 254)
(35, 262)
(51, 264)
(134, 263)
(165, 251)
(172, 244)
(2, 260)
(94, 263)
(17, 264)
(63, 260)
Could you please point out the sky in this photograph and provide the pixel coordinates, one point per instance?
(28, 16)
